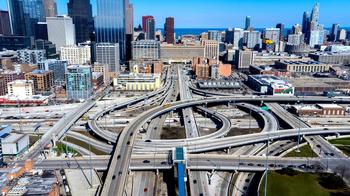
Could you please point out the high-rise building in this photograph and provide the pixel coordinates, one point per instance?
(48, 46)
(169, 30)
(24, 14)
(81, 13)
(58, 67)
(342, 35)
(43, 80)
(79, 55)
(61, 31)
(41, 31)
(315, 13)
(10, 76)
(50, 8)
(297, 29)
(272, 34)
(144, 22)
(243, 59)
(108, 53)
(151, 29)
(5, 26)
(295, 39)
(214, 35)
(11, 42)
(229, 35)
(27, 56)
(110, 24)
(252, 39)
(78, 82)
(211, 49)
(316, 37)
(334, 33)
(281, 27)
(129, 17)
(238, 38)
(247, 23)
(305, 23)
(146, 49)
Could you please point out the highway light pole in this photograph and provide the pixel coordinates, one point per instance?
(298, 149)
(266, 161)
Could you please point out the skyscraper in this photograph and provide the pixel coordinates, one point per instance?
(214, 35)
(247, 23)
(50, 8)
(238, 38)
(169, 30)
(316, 37)
(108, 53)
(129, 17)
(24, 14)
(305, 23)
(281, 27)
(81, 13)
(144, 22)
(151, 29)
(110, 23)
(229, 34)
(334, 33)
(315, 13)
(61, 31)
(5, 27)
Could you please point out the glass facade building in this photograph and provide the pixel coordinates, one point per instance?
(78, 82)
(24, 14)
(81, 13)
(110, 23)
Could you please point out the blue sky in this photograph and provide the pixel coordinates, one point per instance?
(231, 13)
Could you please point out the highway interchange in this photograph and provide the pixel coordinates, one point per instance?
(132, 151)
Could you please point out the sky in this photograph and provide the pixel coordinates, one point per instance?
(231, 13)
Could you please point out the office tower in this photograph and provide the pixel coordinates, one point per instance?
(81, 13)
(214, 35)
(41, 31)
(315, 13)
(78, 82)
(5, 26)
(151, 29)
(229, 34)
(316, 37)
(342, 35)
(272, 34)
(247, 23)
(281, 27)
(295, 39)
(110, 24)
(50, 8)
(243, 59)
(129, 17)
(61, 31)
(146, 49)
(297, 29)
(305, 23)
(108, 53)
(48, 46)
(334, 33)
(79, 55)
(238, 38)
(58, 68)
(27, 56)
(169, 30)
(144, 22)
(43, 80)
(211, 49)
(24, 14)
(252, 39)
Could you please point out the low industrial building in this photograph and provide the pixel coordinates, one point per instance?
(331, 57)
(14, 144)
(318, 110)
(270, 85)
(267, 70)
(302, 66)
(137, 82)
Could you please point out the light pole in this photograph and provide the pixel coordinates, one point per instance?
(266, 166)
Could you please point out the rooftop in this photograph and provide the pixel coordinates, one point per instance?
(330, 106)
(13, 138)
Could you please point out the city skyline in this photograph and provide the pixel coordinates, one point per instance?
(226, 14)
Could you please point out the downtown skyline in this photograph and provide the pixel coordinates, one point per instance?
(223, 13)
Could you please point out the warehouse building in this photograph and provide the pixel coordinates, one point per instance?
(270, 85)
(302, 66)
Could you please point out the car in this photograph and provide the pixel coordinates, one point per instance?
(272, 165)
(241, 163)
(332, 154)
(118, 157)
(132, 133)
(247, 180)
(120, 173)
(291, 166)
(325, 129)
(128, 143)
(163, 163)
(146, 161)
(260, 165)
(318, 146)
(245, 188)
(145, 189)
(250, 164)
(113, 177)
(194, 181)
(148, 141)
